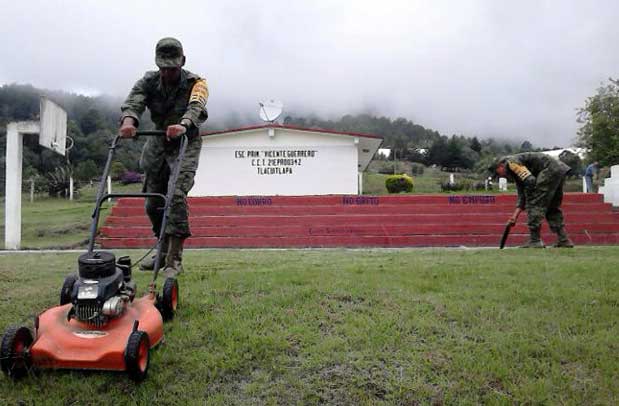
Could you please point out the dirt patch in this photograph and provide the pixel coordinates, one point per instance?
(69, 229)
(345, 298)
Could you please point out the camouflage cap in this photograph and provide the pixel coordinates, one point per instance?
(169, 53)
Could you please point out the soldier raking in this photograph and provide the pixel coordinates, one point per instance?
(539, 180)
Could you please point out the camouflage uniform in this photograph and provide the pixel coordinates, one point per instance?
(539, 180)
(168, 106)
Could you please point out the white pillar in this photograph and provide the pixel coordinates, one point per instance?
(451, 179)
(14, 153)
(584, 185)
(360, 189)
(109, 187)
(71, 188)
(31, 190)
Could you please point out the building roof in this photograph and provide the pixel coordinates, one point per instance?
(290, 127)
(581, 152)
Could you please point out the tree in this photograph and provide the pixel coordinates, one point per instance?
(91, 121)
(415, 155)
(117, 170)
(87, 170)
(526, 147)
(58, 181)
(399, 148)
(401, 134)
(600, 119)
(438, 153)
(475, 145)
(460, 155)
(454, 151)
(92, 124)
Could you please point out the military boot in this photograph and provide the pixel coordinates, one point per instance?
(174, 257)
(535, 240)
(563, 241)
(148, 264)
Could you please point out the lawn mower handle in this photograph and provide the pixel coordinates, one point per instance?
(150, 133)
(168, 198)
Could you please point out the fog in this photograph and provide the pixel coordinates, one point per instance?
(485, 68)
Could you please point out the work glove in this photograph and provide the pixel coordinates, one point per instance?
(175, 131)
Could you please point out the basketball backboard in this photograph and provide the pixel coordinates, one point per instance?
(53, 133)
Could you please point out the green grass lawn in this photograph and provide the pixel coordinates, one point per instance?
(356, 327)
(429, 182)
(59, 223)
(431, 179)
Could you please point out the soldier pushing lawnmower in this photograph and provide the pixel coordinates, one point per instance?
(176, 99)
(100, 323)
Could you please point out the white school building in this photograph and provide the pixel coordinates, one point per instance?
(274, 159)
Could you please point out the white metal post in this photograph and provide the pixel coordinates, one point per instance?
(360, 183)
(584, 185)
(14, 153)
(31, 190)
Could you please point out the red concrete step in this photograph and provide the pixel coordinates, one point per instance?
(367, 230)
(358, 241)
(367, 199)
(390, 219)
(130, 211)
(359, 221)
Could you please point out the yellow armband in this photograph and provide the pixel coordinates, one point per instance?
(520, 170)
(199, 93)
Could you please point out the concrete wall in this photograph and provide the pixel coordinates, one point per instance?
(277, 161)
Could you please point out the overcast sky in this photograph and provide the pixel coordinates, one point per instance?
(513, 69)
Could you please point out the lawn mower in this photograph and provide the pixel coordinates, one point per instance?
(99, 324)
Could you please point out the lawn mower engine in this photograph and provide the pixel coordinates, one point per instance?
(103, 289)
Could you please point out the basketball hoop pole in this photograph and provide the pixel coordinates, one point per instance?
(53, 129)
(71, 183)
(14, 155)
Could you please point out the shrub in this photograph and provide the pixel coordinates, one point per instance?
(29, 175)
(399, 183)
(58, 182)
(130, 177)
(451, 187)
(386, 168)
(467, 184)
(87, 170)
(117, 170)
(417, 169)
(480, 186)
